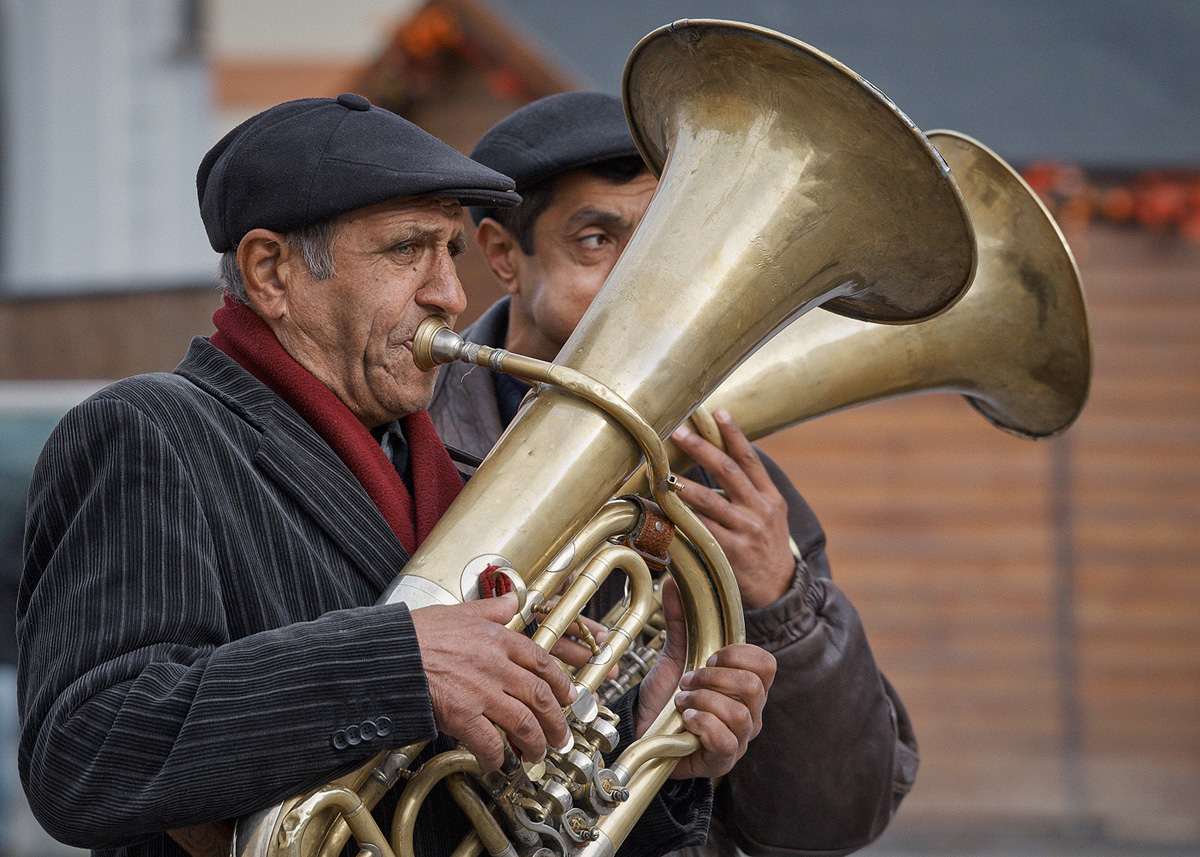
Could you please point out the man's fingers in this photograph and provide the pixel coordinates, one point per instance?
(722, 706)
(723, 468)
(481, 738)
(575, 655)
(739, 448)
(749, 657)
(498, 610)
(528, 735)
(713, 509)
(733, 689)
(525, 653)
(743, 717)
(571, 653)
(480, 672)
(738, 718)
(716, 739)
(540, 718)
(738, 469)
(743, 685)
(658, 685)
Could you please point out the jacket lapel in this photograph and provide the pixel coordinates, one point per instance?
(293, 456)
(301, 463)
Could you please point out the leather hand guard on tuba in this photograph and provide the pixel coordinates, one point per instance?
(787, 182)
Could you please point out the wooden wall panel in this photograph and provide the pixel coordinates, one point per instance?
(102, 336)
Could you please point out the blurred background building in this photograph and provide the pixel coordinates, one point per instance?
(1036, 604)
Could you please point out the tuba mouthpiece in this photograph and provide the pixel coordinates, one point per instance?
(435, 343)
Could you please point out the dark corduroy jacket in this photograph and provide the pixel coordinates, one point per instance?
(836, 753)
(196, 620)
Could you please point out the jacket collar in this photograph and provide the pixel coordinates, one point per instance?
(491, 328)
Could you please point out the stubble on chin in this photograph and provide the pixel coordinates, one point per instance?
(404, 389)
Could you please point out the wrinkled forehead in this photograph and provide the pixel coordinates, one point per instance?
(588, 193)
(447, 206)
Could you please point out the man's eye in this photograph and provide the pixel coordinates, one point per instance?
(405, 249)
(594, 241)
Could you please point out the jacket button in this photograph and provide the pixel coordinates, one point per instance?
(339, 740)
(353, 736)
(367, 730)
(383, 726)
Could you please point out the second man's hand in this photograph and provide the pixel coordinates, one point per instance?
(721, 702)
(750, 521)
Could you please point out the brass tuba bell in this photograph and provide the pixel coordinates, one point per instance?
(787, 183)
(1016, 346)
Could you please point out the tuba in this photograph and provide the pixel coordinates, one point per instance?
(1016, 346)
(787, 182)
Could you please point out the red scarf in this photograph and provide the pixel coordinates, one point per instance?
(246, 338)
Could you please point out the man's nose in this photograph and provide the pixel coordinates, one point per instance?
(443, 289)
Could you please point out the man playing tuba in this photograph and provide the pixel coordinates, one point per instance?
(198, 627)
(837, 752)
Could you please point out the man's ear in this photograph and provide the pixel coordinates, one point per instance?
(500, 250)
(267, 265)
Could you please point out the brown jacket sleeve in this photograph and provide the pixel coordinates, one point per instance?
(837, 752)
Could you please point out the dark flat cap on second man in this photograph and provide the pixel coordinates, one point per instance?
(555, 134)
(303, 162)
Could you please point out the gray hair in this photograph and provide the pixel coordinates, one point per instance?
(314, 244)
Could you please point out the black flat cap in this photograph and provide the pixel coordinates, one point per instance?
(305, 161)
(555, 134)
